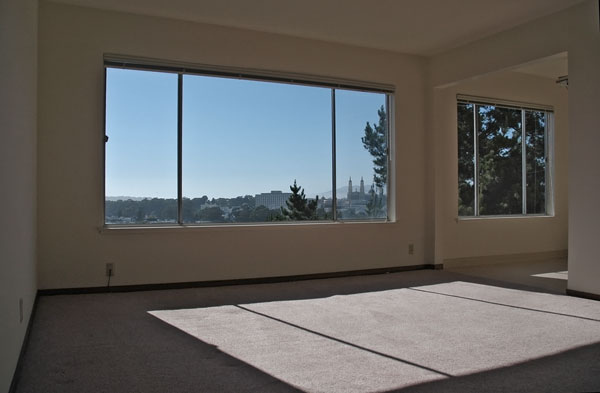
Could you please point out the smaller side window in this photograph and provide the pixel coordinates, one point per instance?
(503, 159)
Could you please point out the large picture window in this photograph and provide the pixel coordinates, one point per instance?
(198, 147)
(503, 158)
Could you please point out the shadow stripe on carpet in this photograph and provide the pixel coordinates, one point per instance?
(346, 342)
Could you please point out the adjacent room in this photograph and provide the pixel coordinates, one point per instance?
(333, 196)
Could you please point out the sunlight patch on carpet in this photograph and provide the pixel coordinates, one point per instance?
(378, 341)
(564, 275)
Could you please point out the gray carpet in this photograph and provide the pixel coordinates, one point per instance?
(415, 331)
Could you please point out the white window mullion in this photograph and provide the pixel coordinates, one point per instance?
(523, 163)
(476, 163)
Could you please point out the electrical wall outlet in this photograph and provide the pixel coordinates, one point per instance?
(21, 310)
(110, 270)
(411, 249)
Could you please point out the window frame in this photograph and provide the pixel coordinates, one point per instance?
(548, 110)
(112, 61)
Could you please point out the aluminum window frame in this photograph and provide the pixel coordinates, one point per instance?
(112, 61)
(548, 110)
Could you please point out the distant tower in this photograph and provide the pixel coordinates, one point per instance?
(350, 188)
(362, 188)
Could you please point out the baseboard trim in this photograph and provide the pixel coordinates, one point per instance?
(241, 281)
(585, 295)
(506, 258)
(17, 374)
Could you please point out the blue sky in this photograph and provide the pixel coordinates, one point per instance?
(239, 136)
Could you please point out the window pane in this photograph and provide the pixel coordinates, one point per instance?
(500, 171)
(141, 153)
(535, 131)
(466, 160)
(245, 143)
(361, 155)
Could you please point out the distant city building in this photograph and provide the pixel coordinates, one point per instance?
(272, 200)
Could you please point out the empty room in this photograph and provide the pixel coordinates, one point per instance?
(314, 196)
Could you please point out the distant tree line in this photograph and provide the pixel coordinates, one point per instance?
(197, 210)
(241, 208)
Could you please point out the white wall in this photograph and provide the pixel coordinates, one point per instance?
(72, 250)
(18, 81)
(540, 38)
(584, 142)
(497, 236)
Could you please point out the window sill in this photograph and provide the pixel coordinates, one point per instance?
(174, 228)
(507, 217)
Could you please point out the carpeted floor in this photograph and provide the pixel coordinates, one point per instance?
(417, 331)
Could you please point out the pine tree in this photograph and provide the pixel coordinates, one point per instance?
(375, 207)
(500, 160)
(375, 141)
(298, 208)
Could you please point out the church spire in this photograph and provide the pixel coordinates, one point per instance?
(350, 188)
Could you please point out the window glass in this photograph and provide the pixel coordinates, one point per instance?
(466, 161)
(535, 142)
(141, 153)
(495, 175)
(361, 155)
(203, 149)
(245, 143)
(500, 171)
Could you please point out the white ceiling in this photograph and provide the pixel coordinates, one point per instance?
(421, 27)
